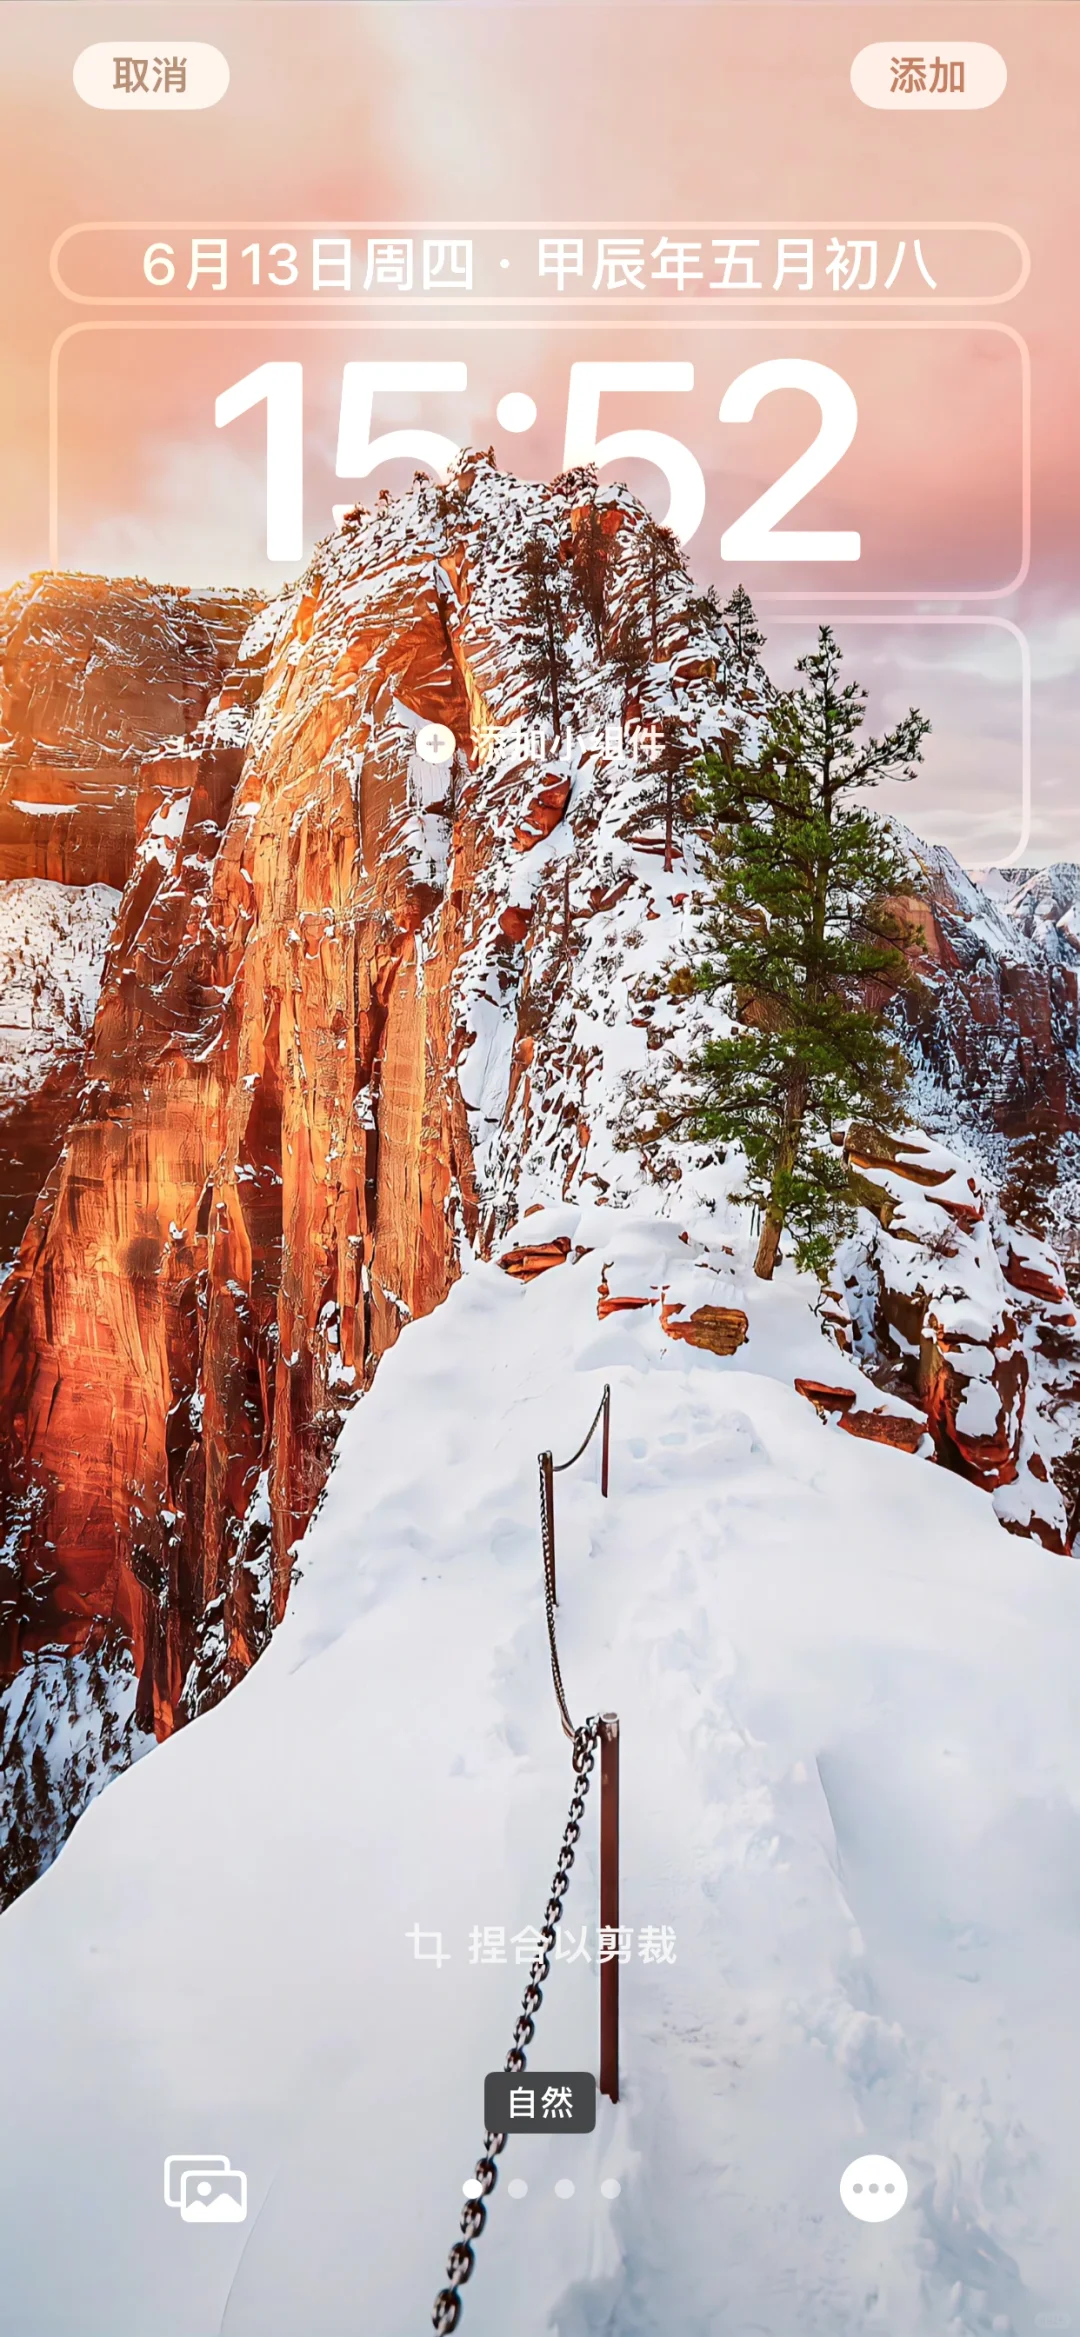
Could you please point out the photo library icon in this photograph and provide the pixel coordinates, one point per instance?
(205, 2188)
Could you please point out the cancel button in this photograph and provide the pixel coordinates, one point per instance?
(146, 77)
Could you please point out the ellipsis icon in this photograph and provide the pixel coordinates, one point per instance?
(147, 77)
(926, 77)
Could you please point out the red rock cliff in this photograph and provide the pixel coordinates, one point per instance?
(332, 989)
(358, 1009)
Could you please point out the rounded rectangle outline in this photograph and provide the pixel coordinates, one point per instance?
(466, 301)
(574, 325)
(215, 2160)
(977, 617)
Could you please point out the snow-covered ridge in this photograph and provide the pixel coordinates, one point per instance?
(1039, 900)
(1018, 914)
(850, 1783)
(992, 1027)
(970, 1317)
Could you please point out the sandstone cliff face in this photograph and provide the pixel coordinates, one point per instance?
(99, 680)
(340, 1014)
(101, 686)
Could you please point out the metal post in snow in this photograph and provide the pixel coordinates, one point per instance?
(605, 1446)
(609, 1903)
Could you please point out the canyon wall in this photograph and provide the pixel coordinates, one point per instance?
(996, 1014)
(102, 686)
(358, 1011)
(322, 1006)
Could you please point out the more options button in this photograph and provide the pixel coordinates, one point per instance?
(925, 77)
(146, 77)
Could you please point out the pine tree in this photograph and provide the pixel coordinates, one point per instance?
(590, 551)
(42, 1789)
(1067, 1480)
(745, 640)
(705, 608)
(1026, 1198)
(658, 561)
(628, 659)
(543, 617)
(668, 798)
(805, 937)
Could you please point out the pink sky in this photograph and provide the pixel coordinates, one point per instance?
(732, 114)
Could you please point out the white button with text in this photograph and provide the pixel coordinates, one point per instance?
(140, 77)
(919, 77)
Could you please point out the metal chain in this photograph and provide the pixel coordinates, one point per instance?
(605, 1400)
(549, 1603)
(446, 2311)
(547, 1526)
(548, 1470)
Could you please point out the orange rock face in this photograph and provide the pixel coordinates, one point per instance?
(989, 1458)
(102, 683)
(272, 1166)
(263, 1180)
(825, 1399)
(98, 681)
(1035, 1283)
(717, 1329)
(525, 1263)
(543, 814)
(891, 1428)
(608, 1303)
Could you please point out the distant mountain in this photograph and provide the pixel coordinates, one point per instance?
(1039, 900)
(998, 1021)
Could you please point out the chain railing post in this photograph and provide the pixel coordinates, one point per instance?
(602, 1732)
(461, 2262)
(547, 1521)
(609, 1903)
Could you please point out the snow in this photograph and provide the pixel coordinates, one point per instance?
(226, 726)
(53, 939)
(851, 1783)
(1045, 897)
(851, 1777)
(979, 1410)
(164, 829)
(67, 1724)
(263, 630)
